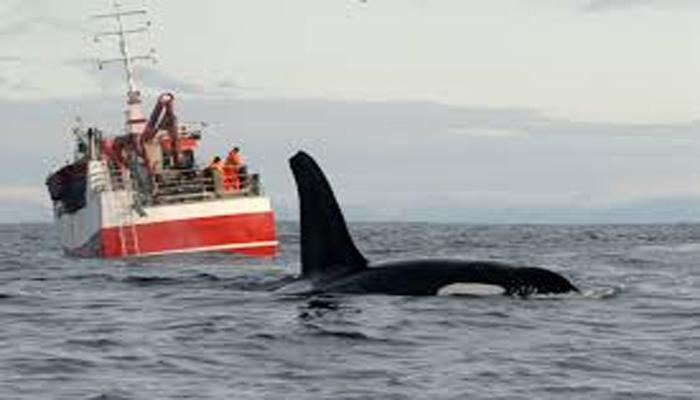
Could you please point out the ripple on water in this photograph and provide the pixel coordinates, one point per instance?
(207, 327)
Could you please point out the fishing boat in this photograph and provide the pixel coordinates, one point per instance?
(144, 191)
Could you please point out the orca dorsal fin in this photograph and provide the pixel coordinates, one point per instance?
(327, 248)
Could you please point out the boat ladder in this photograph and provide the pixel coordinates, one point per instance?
(128, 235)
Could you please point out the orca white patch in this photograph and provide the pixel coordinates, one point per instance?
(470, 289)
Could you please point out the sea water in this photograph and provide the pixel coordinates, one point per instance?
(211, 326)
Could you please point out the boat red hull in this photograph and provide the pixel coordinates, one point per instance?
(249, 234)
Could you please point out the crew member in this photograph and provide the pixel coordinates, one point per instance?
(216, 169)
(216, 164)
(235, 159)
(235, 168)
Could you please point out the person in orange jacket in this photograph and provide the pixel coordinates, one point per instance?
(235, 159)
(235, 167)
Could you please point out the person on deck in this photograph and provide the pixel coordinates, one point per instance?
(216, 164)
(216, 169)
(235, 159)
(235, 168)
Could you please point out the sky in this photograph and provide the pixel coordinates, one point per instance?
(548, 111)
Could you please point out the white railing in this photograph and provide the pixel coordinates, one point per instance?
(181, 186)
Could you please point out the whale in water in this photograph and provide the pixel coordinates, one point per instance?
(331, 263)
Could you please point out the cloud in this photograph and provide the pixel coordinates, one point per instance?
(35, 24)
(11, 82)
(157, 79)
(607, 5)
(154, 80)
(512, 122)
(151, 80)
(10, 59)
(402, 160)
(23, 17)
(34, 194)
(18, 86)
(489, 132)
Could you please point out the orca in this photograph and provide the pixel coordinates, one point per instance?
(331, 263)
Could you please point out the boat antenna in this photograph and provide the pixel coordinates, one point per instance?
(135, 117)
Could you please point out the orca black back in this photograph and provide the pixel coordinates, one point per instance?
(326, 245)
(331, 262)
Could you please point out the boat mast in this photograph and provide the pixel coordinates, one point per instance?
(135, 118)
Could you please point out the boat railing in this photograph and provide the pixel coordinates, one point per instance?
(181, 186)
(176, 186)
(184, 186)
